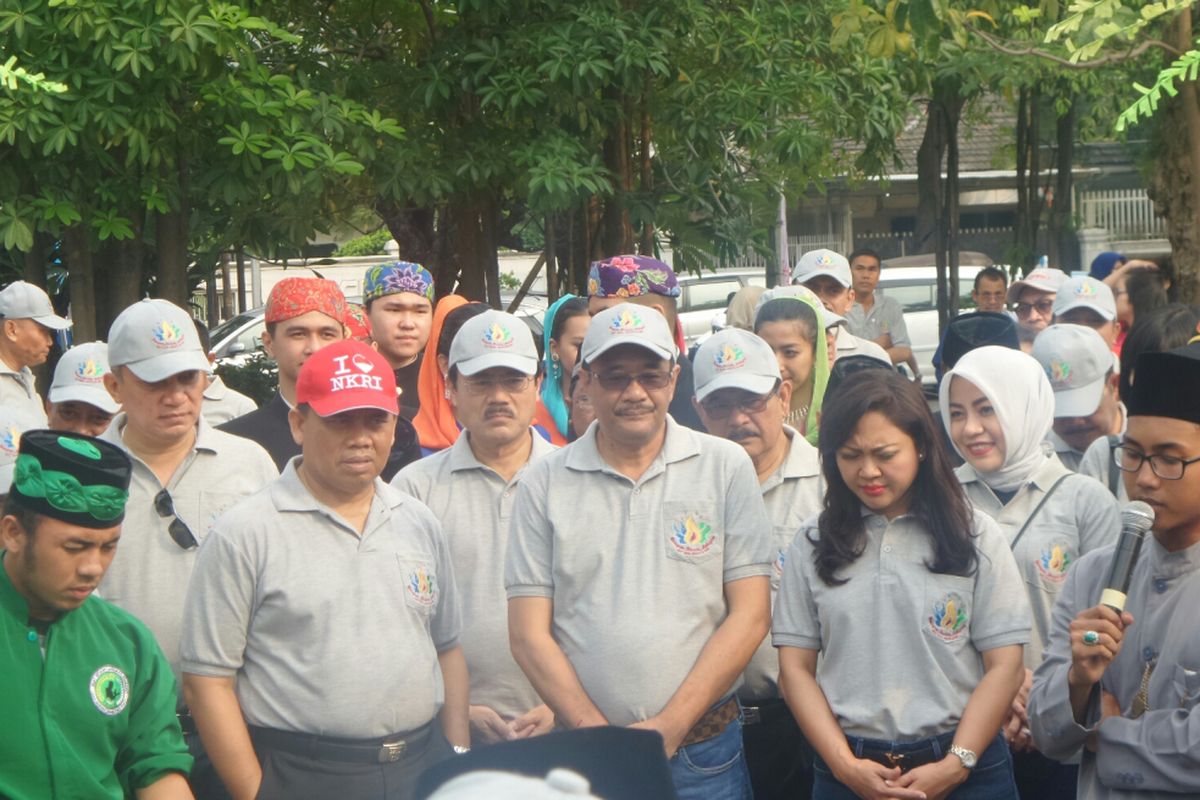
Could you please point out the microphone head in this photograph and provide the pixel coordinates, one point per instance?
(1137, 516)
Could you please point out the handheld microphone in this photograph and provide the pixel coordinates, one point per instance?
(1136, 518)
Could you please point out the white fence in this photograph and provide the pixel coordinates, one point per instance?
(797, 246)
(1124, 213)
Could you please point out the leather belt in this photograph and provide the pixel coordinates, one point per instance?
(386, 750)
(712, 723)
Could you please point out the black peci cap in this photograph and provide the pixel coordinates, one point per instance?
(77, 479)
(846, 366)
(977, 329)
(1167, 385)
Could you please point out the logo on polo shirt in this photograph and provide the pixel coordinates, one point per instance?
(10, 440)
(627, 322)
(167, 335)
(1053, 562)
(89, 372)
(949, 620)
(691, 536)
(780, 561)
(730, 357)
(497, 336)
(345, 378)
(1059, 372)
(422, 587)
(110, 690)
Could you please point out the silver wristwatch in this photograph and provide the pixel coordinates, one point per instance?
(967, 757)
(459, 750)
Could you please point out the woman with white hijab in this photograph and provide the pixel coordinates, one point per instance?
(998, 406)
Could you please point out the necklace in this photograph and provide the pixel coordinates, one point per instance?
(797, 417)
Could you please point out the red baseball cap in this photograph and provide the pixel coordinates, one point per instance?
(344, 376)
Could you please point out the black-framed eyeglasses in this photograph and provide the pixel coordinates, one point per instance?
(749, 403)
(1169, 468)
(619, 382)
(1043, 307)
(512, 384)
(181, 534)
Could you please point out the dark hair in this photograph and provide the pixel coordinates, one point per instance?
(28, 519)
(1158, 331)
(454, 322)
(789, 309)
(575, 307)
(991, 274)
(1146, 290)
(846, 366)
(202, 335)
(938, 500)
(865, 251)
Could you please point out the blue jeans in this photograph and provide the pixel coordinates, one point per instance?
(713, 770)
(992, 778)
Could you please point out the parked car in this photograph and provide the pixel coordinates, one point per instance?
(704, 296)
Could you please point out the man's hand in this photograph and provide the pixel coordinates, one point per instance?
(488, 726)
(873, 781)
(1089, 661)
(672, 736)
(1016, 729)
(534, 722)
(884, 341)
(936, 780)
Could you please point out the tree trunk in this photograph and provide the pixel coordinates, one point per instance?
(616, 235)
(1021, 228)
(646, 245)
(1171, 188)
(1034, 141)
(929, 179)
(172, 261)
(414, 229)
(953, 111)
(1186, 262)
(119, 283)
(81, 279)
(240, 254)
(36, 260)
(551, 261)
(1060, 241)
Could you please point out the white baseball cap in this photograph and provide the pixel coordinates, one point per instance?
(13, 423)
(828, 318)
(735, 359)
(1076, 360)
(79, 376)
(21, 300)
(1085, 292)
(494, 339)
(626, 323)
(155, 339)
(815, 263)
(1044, 279)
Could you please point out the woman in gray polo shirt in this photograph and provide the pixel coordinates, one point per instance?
(998, 406)
(911, 599)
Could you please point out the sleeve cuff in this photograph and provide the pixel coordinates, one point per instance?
(1005, 639)
(795, 640)
(529, 590)
(447, 645)
(748, 571)
(208, 670)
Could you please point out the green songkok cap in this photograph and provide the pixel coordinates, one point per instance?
(70, 477)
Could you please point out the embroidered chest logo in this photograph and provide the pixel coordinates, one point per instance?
(780, 561)
(422, 587)
(691, 536)
(167, 335)
(10, 440)
(110, 690)
(89, 372)
(949, 620)
(1053, 562)
(730, 357)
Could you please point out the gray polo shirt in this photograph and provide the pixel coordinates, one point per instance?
(848, 344)
(149, 575)
(17, 390)
(1097, 463)
(222, 404)
(900, 645)
(636, 569)
(1156, 755)
(328, 632)
(792, 493)
(474, 505)
(1080, 516)
(885, 316)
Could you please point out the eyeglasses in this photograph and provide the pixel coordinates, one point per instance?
(181, 534)
(509, 383)
(1169, 468)
(750, 404)
(1043, 307)
(619, 382)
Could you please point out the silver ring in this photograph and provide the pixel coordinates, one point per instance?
(1091, 638)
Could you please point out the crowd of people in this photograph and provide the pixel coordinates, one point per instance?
(766, 569)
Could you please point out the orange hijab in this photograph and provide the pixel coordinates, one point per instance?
(435, 423)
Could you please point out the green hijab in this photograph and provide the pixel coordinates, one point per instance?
(820, 370)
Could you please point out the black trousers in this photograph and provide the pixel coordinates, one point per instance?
(779, 757)
(288, 776)
(1040, 778)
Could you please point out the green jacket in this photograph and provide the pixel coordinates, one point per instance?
(96, 717)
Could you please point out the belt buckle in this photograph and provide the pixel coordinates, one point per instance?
(751, 715)
(895, 758)
(391, 752)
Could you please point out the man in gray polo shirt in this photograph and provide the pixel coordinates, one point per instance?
(470, 488)
(741, 397)
(827, 275)
(321, 628)
(27, 323)
(638, 585)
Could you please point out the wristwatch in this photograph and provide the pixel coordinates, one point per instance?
(967, 757)
(459, 750)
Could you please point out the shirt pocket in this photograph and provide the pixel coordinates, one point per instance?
(1187, 686)
(420, 584)
(691, 531)
(949, 604)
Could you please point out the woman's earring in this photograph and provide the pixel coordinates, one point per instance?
(554, 357)
(446, 392)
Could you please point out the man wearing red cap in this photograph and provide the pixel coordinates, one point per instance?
(320, 651)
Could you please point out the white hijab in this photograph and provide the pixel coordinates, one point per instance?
(1019, 391)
